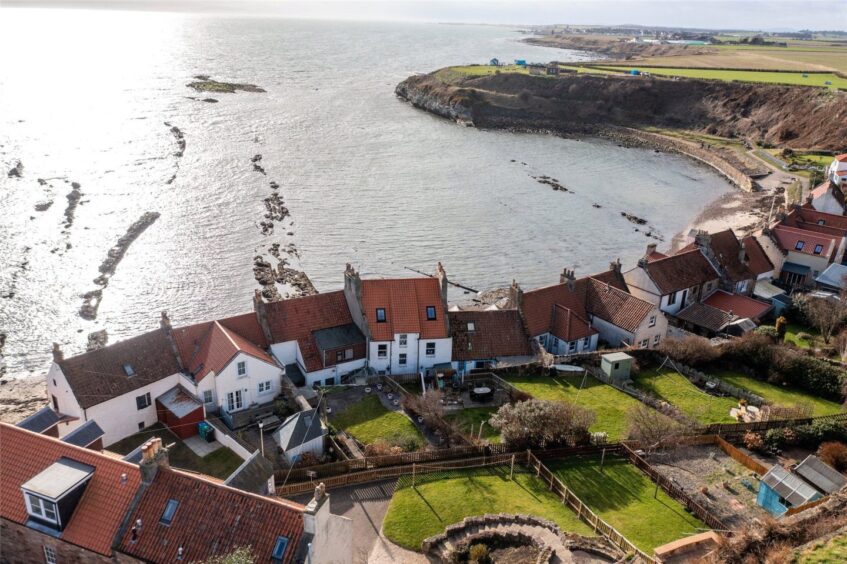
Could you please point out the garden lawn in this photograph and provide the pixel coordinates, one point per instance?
(623, 496)
(830, 552)
(469, 420)
(676, 389)
(219, 464)
(609, 404)
(780, 395)
(368, 421)
(417, 513)
(792, 330)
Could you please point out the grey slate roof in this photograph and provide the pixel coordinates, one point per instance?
(299, 428)
(295, 374)
(822, 476)
(833, 276)
(41, 420)
(253, 475)
(178, 401)
(85, 434)
(790, 487)
(337, 337)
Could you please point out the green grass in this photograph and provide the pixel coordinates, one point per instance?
(623, 496)
(792, 332)
(417, 513)
(676, 389)
(457, 73)
(368, 421)
(219, 464)
(609, 405)
(830, 552)
(770, 77)
(780, 395)
(469, 420)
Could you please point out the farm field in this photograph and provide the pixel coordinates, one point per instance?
(780, 395)
(676, 389)
(437, 501)
(609, 405)
(469, 420)
(822, 58)
(369, 422)
(623, 496)
(763, 76)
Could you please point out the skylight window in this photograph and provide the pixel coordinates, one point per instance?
(799, 246)
(471, 326)
(818, 249)
(168, 514)
(279, 549)
(380, 315)
(430, 313)
(130, 371)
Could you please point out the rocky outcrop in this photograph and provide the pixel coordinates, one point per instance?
(16, 170)
(783, 116)
(203, 83)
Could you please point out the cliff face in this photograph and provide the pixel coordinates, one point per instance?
(802, 118)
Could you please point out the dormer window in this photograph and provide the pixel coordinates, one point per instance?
(471, 327)
(52, 495)
(818, 249)
(130, 371)
(279, 549)
(821, 222)
(169, 512)
(380, 315)
(799, 246)
(430, 313)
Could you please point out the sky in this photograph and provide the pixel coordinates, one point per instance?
(764, 15)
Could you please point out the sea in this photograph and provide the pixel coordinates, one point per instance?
(94, 105)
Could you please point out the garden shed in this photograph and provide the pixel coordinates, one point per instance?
(616, 366)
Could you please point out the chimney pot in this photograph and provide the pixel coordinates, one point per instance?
(58, 355)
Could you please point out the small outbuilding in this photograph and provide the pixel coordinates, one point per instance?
(820, 475)
(780, 490)
(617, 366)
(180, 412)
(301, 433)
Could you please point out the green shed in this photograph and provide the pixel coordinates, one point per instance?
(616, 366)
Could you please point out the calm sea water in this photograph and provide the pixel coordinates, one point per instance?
(368, 179)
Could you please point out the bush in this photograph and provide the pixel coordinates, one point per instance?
(754, 442)
(834, 454)
(810, 374)
(478, 553)
(778, 439)
(542, 423)
(810, 436)
(753, 350)
(693, 351)
(768, 331)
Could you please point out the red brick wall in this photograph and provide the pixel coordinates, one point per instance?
(182, 427)
(21, 545)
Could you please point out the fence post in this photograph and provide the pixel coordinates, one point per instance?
(512, 470)
(413, 475)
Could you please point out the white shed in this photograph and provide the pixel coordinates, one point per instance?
(616, 366)
(301, 433)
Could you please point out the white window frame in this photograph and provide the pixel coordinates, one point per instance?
(430, 349)
(672, 298)
(652, 321)
(382, 351)
(50, 555)
(234, 401)
(572, 346)
(348, 354)
(402, 359)
(403, 340)
(241, 368)
(39, 509)
(265, 387)
(148, 401)
(208, 397)
(656, 339)
(644, 344)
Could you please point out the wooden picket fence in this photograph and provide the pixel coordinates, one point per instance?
(738, 429)
(740, 457)
(583, 511)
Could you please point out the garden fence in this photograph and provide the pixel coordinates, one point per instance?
(736, 429)
(744, 459)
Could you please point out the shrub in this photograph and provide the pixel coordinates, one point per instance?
(774, 439)
(810, 374)
(754, 442)
(478, 553)
(768, 331)
(693, 351)
(834, 454)
(810, 436)
(541, 423)
(753, 350)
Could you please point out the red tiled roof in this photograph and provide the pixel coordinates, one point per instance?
(757, 260)
(567, 325)
(210, 346)
(682, 270)
(727, 249)
(538, 306)
(789, 237)
(210, 520)
(496, 333)
(807, 217)
(405, 301)
(655, 255)
(297, 319)
(740, 306)
(98, 515)
(97, 376)
(619, 308)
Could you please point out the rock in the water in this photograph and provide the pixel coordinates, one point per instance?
(17, 170)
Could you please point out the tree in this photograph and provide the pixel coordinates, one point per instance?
(825, 314)
(651, 428)
(781, 326)
(542, 423)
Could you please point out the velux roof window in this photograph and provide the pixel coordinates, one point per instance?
(380, 315)
(130, 371)
(168, 513)
(430, 313)
(279, 549)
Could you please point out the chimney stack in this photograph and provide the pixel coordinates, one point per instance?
(441, 275)
(261, 310)
(651, 248)
(516, 296)
(153, 457)
(615, 265)
(165, 323)
(568, 277)
(58, 355)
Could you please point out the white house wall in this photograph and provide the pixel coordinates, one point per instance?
(612, 334)
(415, 350)
(285, 353)
(315, 446)
(58, 387)
(641, 286)
(320, 376)
(257, 371)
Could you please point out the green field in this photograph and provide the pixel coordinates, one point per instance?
(676, 389)
(609, 405)
(220, 463)
(417, 513)
(780, 395)
(623, 496)
(368, 421)
(793, 330)
(831, 552)
(770, 77)
(469, 419)
(454, 74)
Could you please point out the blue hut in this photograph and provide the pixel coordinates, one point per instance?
(495, 62)
(781, 490)
(635, 72)
(520, 62)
